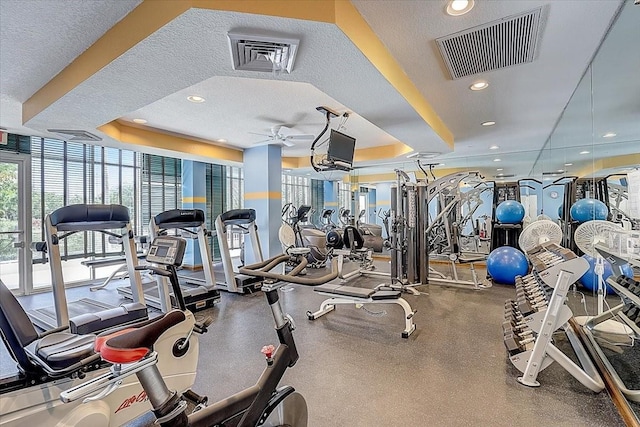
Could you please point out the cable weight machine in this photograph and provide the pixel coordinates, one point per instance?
(410, 231)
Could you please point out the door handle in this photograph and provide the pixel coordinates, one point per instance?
(18, 245)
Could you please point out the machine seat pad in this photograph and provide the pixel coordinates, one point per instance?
(347, 291)
(62, 349)
(380, 295)
(131, 345)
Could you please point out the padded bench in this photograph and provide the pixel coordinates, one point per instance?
(341, 294)
(352, 291)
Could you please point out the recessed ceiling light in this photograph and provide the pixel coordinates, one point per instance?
(195, 98)
(493, 147)
(568, 164)
(560, 170)
(287, 170)
(440, 164)
(140, 121)
(584, 152)
(459, 7)
(497, 160)
(500, 174)
(499, 169)
(547, 179)
(479, 85)
(222, 140)
(609, 135)
(489, 123)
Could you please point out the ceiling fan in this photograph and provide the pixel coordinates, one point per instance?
(281, 134)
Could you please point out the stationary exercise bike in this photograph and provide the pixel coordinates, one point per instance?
(57, 360)
(263, 404)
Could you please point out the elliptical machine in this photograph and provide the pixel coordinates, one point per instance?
(263, 404)
(293, 235)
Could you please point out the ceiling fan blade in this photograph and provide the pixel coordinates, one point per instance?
(261, 134)
(287, 143)
(301, 137)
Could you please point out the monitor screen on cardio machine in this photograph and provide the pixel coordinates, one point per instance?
(166, 250)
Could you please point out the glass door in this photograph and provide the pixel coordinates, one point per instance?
(15, 230)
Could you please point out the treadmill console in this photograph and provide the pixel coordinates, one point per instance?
(166, 250)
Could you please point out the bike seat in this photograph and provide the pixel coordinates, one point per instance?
(132, 344)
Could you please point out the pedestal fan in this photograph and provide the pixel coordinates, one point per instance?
(539, 232)
(587, 236)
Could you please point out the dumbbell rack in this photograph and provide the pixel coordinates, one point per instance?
(539, 311)
(628, 311)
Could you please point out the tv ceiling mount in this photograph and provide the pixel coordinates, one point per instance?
(340, 149)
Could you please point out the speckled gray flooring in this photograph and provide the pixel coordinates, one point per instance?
(356, 370)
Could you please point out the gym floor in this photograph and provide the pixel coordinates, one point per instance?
(356, 370)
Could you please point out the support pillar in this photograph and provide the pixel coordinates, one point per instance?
(263, 192)
(194, 196)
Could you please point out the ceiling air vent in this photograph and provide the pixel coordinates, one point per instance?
(259, 53)
(498, 44)
(75, 135)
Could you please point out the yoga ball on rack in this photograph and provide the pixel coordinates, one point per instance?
(505, 263)
(588, 210)
(510, 212)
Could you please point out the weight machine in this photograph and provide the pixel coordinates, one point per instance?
(413, 238)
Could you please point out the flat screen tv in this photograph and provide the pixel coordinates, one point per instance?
(341, 147)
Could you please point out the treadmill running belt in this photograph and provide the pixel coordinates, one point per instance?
(76, 308)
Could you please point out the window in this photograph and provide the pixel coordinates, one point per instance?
(344, 195)
(161, 186)
(234, 188)
(317, 200)
(67, 173)
(296, 190)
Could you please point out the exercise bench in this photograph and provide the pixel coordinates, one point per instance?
(341, 294)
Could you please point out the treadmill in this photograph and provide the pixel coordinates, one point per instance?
(86, 315)
(198, 294)
(234, 221)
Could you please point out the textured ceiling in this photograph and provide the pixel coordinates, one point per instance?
(190, 55)
(40, 38)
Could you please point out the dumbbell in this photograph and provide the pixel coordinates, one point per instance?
(515, 345)
(513, 315)
(514, 323)
(530, 293)
(632, 313)
(532, 300)
(626, 281)
(525, 308)
(528, 286)
(522, 332)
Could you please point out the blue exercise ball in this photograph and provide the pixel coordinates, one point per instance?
(505, 263)
(588, 210)
(590, 279)
(560, 211)
(510, 212)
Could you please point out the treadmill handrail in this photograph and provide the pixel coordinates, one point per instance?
(261, 269)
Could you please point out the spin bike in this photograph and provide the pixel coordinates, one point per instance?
(54, 361)
(263, 404)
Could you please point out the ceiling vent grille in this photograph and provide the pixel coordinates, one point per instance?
(75, 135)
(492, 46)
(258, 53)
